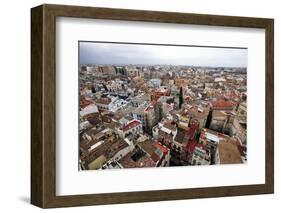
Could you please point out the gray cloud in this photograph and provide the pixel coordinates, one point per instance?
(120, 53)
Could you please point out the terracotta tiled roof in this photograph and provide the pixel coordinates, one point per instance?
(222, 104)
(160, 146)
(144, 161)
(131, 125)
(155, 157)
(84, 103)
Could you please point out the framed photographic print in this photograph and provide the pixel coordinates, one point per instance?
(137, 106)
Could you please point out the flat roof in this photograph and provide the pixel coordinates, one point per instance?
(229, 152)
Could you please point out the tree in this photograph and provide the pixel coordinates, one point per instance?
(180, 98)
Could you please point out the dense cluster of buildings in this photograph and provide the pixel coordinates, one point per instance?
(135, 116)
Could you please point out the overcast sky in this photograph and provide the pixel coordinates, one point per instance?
(117, 53)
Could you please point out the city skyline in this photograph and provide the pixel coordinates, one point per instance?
(152, 54)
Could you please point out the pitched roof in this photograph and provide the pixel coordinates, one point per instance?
(164, 149)
(143, 161)
(222, 104)
(131, 125)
